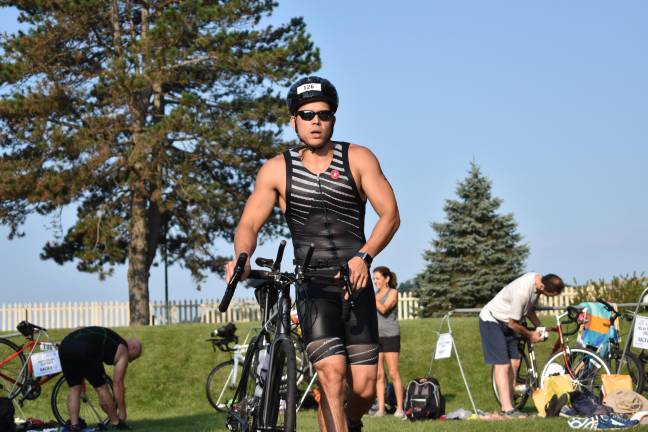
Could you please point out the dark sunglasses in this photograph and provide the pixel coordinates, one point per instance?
(325, 115)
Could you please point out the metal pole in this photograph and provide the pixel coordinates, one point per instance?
(634, 318)
(166, 273)
(463, 375)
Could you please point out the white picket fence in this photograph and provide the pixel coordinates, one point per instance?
(115, 314)
(565, 299)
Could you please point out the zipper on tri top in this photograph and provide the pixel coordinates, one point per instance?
(326, 220)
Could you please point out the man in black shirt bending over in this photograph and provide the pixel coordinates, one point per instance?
(83, 353)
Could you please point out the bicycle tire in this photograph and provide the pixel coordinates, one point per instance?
(279, 386)
(242, 412)
(304, 368)
(13, 370)
(631, 366)
(586, 365)
(520, 396)
(218, 389)
(90, 408)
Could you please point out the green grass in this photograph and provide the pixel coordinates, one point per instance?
(165, 387)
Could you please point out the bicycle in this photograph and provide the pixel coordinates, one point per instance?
(18, 379)
(267, 401)
(222, 380)
(582, 365)
(612, 352)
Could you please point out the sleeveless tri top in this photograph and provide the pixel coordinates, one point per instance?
(324, 209)
(388, 324)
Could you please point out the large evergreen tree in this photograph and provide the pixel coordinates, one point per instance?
(476, 251)
(142, 115)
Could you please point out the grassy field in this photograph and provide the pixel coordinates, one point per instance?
(165, 387)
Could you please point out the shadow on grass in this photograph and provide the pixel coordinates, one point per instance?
(196, 422)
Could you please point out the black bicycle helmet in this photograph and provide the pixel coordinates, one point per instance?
(312, 89)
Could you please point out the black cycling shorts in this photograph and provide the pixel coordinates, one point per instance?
(319, 307)
(77, 365)
(390, 344)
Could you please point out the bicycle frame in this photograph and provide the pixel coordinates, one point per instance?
(558, 345)
(27, 370)
(280, 346)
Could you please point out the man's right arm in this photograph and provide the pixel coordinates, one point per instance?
(258, 209)
(533, 336)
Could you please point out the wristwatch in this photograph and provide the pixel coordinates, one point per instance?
(365, 257)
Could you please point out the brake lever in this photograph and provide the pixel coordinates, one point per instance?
(264, 262)
(348, 304)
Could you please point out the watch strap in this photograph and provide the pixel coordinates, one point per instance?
(365, 257)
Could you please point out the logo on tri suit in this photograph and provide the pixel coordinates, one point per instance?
(335, 174)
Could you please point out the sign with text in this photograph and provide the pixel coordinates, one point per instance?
(443, 346)
(640, 334)
(46, 363)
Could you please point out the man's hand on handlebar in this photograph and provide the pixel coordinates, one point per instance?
(229, 270)
(358, 275)
(536, 337)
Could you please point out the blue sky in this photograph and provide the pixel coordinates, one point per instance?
(549, 98)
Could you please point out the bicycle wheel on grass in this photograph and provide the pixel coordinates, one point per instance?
(522, 384)
(241, 412)
(587, 366)
(90, 411)
(12, 373)
(278, 403)
(221, 385)
(630, 366)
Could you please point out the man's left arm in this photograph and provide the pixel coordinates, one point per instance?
(380, 194)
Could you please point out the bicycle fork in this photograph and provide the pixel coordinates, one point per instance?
(531, 370)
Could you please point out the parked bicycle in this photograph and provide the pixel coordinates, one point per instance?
(612, 351)
(223, 378)
(20, 380)
(584, 366)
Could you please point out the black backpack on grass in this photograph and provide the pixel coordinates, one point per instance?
(423, 399)
(7, 412)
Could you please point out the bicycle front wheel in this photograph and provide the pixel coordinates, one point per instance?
(90, 405)
(522, 385)
(12, 373)
(278, 403)
(243, 409)
(632, 366)
(221, 385)
(587, 367)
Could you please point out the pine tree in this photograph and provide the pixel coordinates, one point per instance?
(476, 252)
(142, 115)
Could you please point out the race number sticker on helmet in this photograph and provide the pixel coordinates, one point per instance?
(309, 87)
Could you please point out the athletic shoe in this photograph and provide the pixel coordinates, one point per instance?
(401, 415)
(600, 422)
(513, 414)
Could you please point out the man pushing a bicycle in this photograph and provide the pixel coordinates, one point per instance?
(83, 354)
(500, 327)
(322, 187)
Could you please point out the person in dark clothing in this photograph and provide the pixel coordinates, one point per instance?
(83, 354)
(322, 187)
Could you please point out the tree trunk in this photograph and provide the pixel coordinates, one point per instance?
(138, 266)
